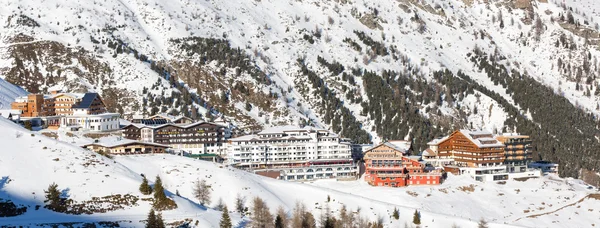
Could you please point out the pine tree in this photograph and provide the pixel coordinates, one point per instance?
(160, 223)
(161, 202)
(145, 187)
(279, 222)
(159, 193)
(396, 214)
(151, 221)
(225, 220)
(417, 218)
(53, 200)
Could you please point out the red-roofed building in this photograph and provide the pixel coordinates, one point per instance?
(387, 165)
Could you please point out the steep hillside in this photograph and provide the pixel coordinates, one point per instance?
(107, 189)
(370, 70)
(8, 93)
(100, 189)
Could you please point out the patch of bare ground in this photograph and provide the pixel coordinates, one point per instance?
(413, 194)
(469, 188)
(50, 135)
(522, 179)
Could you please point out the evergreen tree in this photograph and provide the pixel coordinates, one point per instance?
(145, 187)
(160, 223)
(396, 214)
(161, 202)
(159, 191)
(225, 220)
(417, 218)
(279, 222)
(151, 221)
(53, 200)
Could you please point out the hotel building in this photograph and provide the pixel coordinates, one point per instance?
(306, 153)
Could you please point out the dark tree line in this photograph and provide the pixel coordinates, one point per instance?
(209, 49)
(561, 132)
(334, 113)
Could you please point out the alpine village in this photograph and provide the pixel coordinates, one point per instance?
(300, 114)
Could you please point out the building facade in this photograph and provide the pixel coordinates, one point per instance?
(34, 105)
(100, 122)
(387, 165)
(517, 152)
(195, 138)
(475, 153)
(298, 153)
(545, 167)
(126, 147)
(482, 155)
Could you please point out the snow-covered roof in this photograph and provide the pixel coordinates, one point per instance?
(482, 138)
(428, 152)
(73, 95)
(437, 141)
(123, 142)
(288, 128)
(402, 145)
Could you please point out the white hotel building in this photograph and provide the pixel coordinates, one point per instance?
(298, 153)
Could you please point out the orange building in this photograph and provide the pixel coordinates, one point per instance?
(59, 104)
(473, 152)
(32, 105)
(472, 148)
(387, 165)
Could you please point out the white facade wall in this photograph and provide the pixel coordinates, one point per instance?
(102, 122)
(299, 154)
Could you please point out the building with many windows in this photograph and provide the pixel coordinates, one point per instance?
(517, 152)
(195, 138)
(387, 165)
(476, 153)
(72, 111)
(298, 153)
(482, 155)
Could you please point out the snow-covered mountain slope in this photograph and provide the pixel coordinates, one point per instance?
(370, 70)
(8, 93)
(28, 164)
(541, 202)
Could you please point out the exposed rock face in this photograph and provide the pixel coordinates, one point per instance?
(522, 4)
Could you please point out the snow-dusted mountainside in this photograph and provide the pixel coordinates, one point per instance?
(8, 93)
(28, 164)
(370, 70)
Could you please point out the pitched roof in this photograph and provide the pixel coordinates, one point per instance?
(123, 142)
(402, 150)
(428, 152)
(482, 138)
(86, 101)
